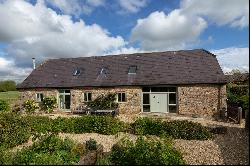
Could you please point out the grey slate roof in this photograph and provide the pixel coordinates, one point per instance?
(157, 68)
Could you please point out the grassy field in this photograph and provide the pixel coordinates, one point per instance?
(10, 96)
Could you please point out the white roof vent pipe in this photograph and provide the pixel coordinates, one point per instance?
(34, 63)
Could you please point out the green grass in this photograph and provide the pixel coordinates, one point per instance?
(10, 96)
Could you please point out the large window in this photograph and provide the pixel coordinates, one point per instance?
(169, 91)
(87, 96)
(121, 97)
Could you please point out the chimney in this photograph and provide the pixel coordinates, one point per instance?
(34, 63)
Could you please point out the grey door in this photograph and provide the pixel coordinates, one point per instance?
(158, 102)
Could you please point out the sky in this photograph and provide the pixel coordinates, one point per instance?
(48, 29)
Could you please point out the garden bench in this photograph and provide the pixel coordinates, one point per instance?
(105, 112)
(82, 109)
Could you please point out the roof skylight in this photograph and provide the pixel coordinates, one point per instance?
(76, 72)
(132, 70)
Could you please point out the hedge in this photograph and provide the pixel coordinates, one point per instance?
(145, 152)
(175, 129)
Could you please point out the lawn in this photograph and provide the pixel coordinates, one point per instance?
(10, 96)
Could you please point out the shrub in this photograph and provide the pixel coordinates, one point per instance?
(40, 124)
(91, 144)
(103, 160)
(78, 149)
(65, 125)
(85, 124)
(50, 150)
(145, 152)
(30, 106)
(238, 95)
(175, 129)
(49, 103)
(104, 102)
(14, 130)
(4, 106)
(98, 124)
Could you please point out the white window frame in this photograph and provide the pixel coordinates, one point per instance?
(87, 93)
(152, 92)
(38, 97)
(121, 97)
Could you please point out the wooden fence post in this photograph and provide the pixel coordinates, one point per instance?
(247, 119)
(239, 115)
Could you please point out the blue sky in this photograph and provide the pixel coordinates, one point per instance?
(72, 28)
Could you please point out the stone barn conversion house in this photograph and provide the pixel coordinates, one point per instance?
(188, 82)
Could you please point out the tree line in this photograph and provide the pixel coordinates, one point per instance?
(8, 85)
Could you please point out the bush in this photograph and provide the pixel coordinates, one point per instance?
(145, 152)
(14, 130)
(238, 95)
(4, 106)
(175, 129)
(51, 150)
(103, 160)
(30, 106)
(91, 144)
(104, 102)
(85, 124)
(97, 124)
(40, 124)
(49, 103)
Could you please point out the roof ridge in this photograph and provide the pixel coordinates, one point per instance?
(132, 54)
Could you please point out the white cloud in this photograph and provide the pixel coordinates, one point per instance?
(8, 70)
(233, 58)
(124, 50)
(221, 12)
(37, 31)
(131, 6)
(76, 7)
(163, 32)
(181, 28)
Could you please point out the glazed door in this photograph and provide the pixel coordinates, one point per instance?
(158, 102)
(64, 99)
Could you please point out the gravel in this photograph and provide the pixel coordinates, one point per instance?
(106, 140)
(231, 148)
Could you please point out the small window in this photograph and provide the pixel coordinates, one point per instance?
(159, 89)
(103, 71)
(146, 89)
(172, 98)
(145, 98)
(87, 96)
(146, 108)
(39, 97)
(122, 97)
(132, 70)
(76, 72)
(172, 109)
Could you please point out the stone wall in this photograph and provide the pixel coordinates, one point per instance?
(31, 94)
(204, 100)
(133, 95)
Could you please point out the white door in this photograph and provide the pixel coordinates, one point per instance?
(158, 103)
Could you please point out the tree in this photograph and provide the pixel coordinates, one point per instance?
(7, 85)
